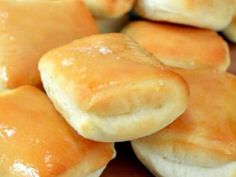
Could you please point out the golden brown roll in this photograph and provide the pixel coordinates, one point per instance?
(181, 46)
(35, 140)
(211, 14)
(109, 8)
(28, 29)
(202, 141)
(110, 89)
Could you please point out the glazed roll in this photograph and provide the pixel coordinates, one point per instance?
(181, 46)
(28, 29)
(110, 89)
(211, 14)
(202, 141)
(36, 141)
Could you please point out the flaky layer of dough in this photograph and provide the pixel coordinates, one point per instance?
(160, 165)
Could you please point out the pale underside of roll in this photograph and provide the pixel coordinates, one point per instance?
(110, 89)
(211, 14)
(202, 141)
(181, 46)
(28, 29)
(35, 140)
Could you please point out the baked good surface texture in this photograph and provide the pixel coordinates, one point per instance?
(211, 14)
(110, 89)
(28, 29)
(35, 140)
(202, 141)
(181, 46)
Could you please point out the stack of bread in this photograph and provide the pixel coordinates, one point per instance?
(161, 83)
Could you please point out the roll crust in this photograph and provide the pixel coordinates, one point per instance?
(181, 46)
(211, 14)
(36, 141)
(202, 141)
(28, 29)
(115, 87)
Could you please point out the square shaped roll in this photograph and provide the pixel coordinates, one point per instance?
(30, 28)
(202, 141)
(110, 89)
(35, 141)
(181, 46)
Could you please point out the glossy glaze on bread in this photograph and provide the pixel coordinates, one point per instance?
(181, 46)
(35, 141)
(109, 88)
(28, 29)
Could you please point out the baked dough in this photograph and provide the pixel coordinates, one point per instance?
(202, 141)
(110, 89)
(211, 14)
(109, 8)
(181, 46)
(28, 29)
(36, 141)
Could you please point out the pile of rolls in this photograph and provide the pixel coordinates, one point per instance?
(158, 79)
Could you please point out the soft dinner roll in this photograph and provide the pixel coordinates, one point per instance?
(201, 142)
(35, 141)
(212, 14)
(181, 46)
(112, 25)
(230, 31)
(30, 28)
(109, 8)
(110, 89)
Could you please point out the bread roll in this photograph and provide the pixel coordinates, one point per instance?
(108, 25)
(201, 142)
(36, 141)
(211, 14)
(181, 46)
(110, 89)
(28, 29)
(109, 8)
